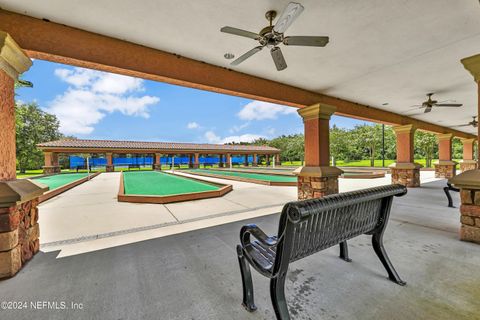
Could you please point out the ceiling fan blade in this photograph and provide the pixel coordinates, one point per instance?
(289, 14)
(306, 41)
(428, 109)
(240, 32)
(449, 105)
(246, 55)
(278, 58)
(461, 125)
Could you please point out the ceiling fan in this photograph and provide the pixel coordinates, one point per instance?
(473, 123)
(273, 35)
(430, 103)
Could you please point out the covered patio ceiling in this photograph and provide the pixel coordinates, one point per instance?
(384, 54)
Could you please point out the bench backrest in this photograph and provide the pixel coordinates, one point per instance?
(307, 227)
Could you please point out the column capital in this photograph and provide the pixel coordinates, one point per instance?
(444, 136)
(13, 61)
(410, 128)
(317, 111)
(468, 141)
(472, 64)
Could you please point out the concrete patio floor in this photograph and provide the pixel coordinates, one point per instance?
(194, 275)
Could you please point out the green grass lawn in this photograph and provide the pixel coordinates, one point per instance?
(162, 184)
(363, 163)
(255, 176)
(59, 180)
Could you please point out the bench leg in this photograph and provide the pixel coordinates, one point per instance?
(277, 294)
(248, 301)
(449, 197)
(377, 242)
(344, 251)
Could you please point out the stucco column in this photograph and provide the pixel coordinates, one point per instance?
(468, 162)
(317, 178)
(220, 160)
(255, 160)
(267, 160)
(445, 168)
(19, 230)
(51, 163)
(405, 171)
(157, 164)
(196, 162)
(109, 167)
(245, 163)
(228, 160)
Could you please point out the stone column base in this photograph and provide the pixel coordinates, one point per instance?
(469, 184)
(110, 168)
(254, 164)
(220, 164)
(466, 165)
(157, 166)
(407, 174)
(19, 229)
(195, 166)
(445, 169)
(51, 169)
(317, 182)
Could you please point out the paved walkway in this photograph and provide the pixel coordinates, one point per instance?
(195, 275)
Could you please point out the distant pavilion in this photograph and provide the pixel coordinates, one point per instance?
(111, 149)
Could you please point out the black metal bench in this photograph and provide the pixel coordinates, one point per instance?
(83, 167)
(307, 227)
(133, 166)
(208, 164)
(447, 190)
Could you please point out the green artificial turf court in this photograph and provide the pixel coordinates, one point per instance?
(162, 184)
(255, 176)
(59, 180)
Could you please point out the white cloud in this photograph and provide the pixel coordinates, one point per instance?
(259, 110)
(94, 94)
(193, 125)
(213, 138)
(235, 129)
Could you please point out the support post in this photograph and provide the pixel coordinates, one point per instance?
(255, 160)
(267, 160)
(245, 163)
(405, 171)
(51, 163)
(468, 162)
(19, 229)
(157, 165)
(229, 160)
(445, 168)
(196, 163)
(220, 160)
(109, 167)
(317, 178)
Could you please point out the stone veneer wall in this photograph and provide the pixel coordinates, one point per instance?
(445, 171)
(465, 166)
(52, 170)
(406, 177)
(470, 215)
(19, 236)
(316, 187)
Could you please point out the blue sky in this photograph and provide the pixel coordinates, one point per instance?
(98, 105)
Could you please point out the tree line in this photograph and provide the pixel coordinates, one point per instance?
(362, 142)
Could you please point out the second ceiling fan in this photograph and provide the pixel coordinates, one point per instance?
(430, 103)
(273, 35)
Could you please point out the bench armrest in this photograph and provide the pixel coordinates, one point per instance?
(252, 229)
